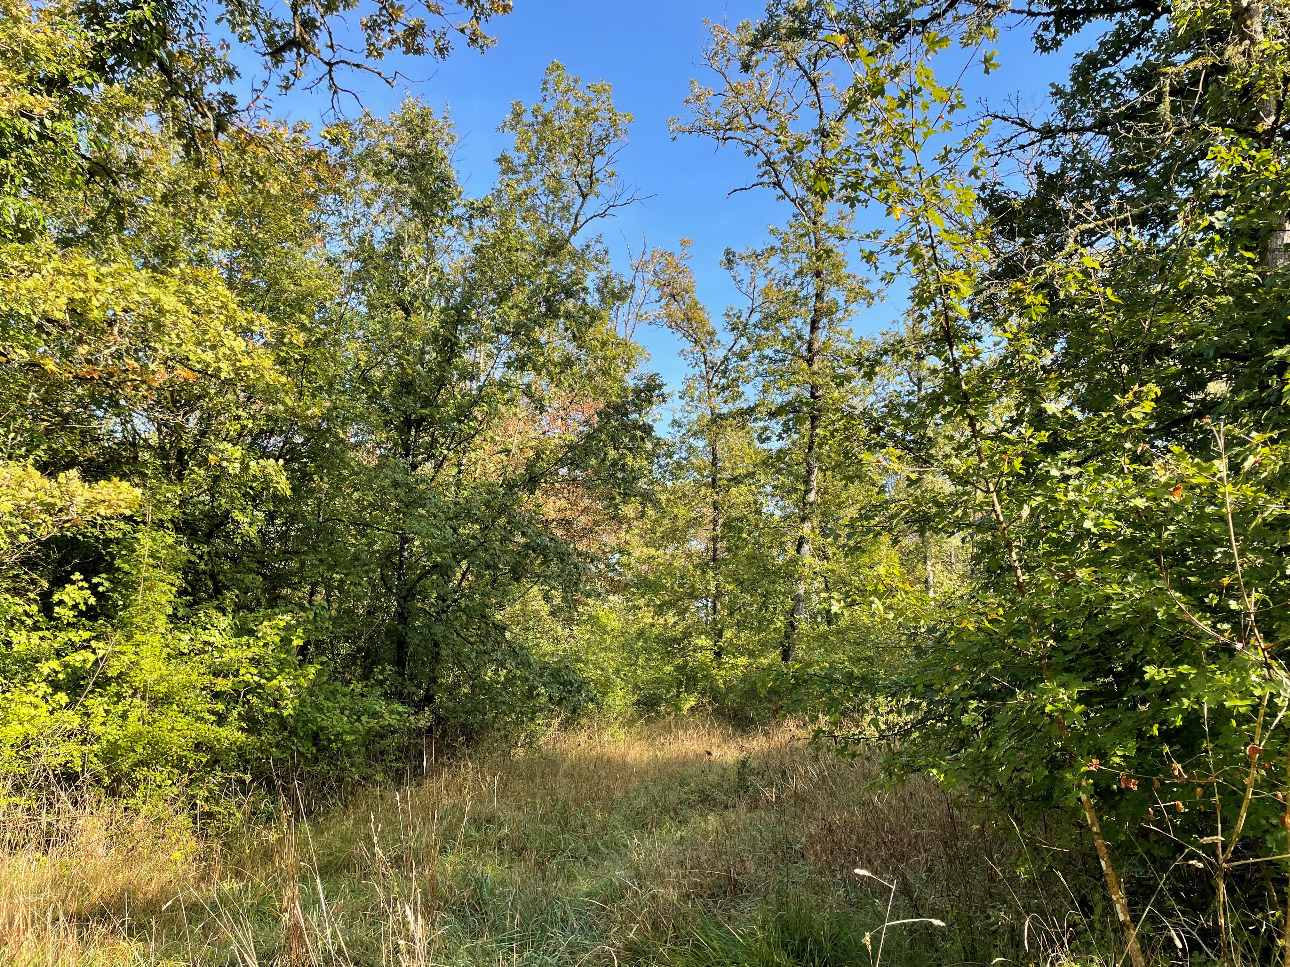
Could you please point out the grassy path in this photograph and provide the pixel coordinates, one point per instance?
(681, 843)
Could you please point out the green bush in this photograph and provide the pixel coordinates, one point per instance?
(114, 683)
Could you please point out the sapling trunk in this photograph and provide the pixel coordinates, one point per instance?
(1087, 804)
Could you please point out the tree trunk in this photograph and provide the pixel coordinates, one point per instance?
(929, 576)
(305, 651)
(402, 616)
(810, 467)
(1247, 37)
(430, 695)
(716, 625)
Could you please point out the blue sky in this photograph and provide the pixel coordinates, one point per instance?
(649, 52)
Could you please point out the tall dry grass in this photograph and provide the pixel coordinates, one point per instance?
(678, 842)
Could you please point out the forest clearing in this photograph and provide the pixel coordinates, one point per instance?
(800, 483)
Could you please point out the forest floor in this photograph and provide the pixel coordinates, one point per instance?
(680, 843)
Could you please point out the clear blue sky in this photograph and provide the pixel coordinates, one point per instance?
(649, 53)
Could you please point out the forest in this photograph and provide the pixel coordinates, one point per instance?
(369, 597)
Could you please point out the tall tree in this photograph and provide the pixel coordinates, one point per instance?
(486, 368)
(778, 102)
(715, 390)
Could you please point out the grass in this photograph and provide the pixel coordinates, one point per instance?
(683, 843)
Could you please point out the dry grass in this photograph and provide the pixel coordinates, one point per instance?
(679, 842)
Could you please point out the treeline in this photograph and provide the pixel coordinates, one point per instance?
(311, 457)
(307, 452)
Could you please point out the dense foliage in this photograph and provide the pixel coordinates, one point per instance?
(291, 423)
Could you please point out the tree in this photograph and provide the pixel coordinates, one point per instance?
(778, 102)
(715, 392)
(486, 374)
